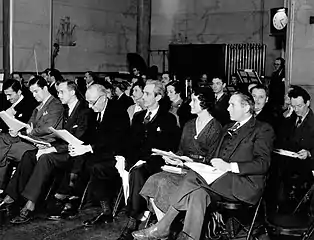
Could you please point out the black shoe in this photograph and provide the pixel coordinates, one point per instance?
(131, 226)
(101, 218)
(24, 217)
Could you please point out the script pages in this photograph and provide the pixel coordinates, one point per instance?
(66, 136)
(11, 122)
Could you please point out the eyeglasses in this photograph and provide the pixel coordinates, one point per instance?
(276, 64)
(92, 104)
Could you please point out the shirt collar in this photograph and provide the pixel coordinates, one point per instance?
(219, 95)
(44, 102)
(72, 106)
(154, 112)
(244, 121)
(18, 101)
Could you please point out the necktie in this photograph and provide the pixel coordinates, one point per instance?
(299, 121)
(147, 118)
(233, 128)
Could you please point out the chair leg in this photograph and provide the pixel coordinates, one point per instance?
(254, 219)
(50, 189)
(84, 195)
(117, 203)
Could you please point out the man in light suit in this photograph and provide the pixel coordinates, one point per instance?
(48, 114)
(243, 154)
(36, 166)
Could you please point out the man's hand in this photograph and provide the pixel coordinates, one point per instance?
(13, 133)
(29, 128)
(45, 151)
(78, 150)
(304, 154)
(221, 165)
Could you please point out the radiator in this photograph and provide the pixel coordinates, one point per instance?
(245, 56)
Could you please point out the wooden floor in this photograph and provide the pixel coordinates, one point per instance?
(42, 229)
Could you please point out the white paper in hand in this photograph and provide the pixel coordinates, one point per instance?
(66, 136)
(209, 173)
(11, 122)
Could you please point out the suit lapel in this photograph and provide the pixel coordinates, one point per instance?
(42, 110)
(241, 134)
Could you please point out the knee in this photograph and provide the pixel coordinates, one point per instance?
(200, 196)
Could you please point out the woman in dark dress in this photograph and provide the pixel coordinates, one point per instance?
(199, 141)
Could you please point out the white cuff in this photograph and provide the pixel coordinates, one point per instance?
(234, 167)
(89, 148)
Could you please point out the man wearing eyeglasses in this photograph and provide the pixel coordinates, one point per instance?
(108, 140)
(296, 135)
(277, 83)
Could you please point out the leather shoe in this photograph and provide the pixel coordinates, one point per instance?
(101, 218)
(24, 217)
(150, 233)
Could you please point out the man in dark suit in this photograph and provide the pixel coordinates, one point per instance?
(221, 101)
(109, 139)
(263, 110)
(277, 83)
(243, 154)
(21, 106)
(124, 101)
(48, 114)
(36, 166)
(152, 128)
(296, 134)
(54, 76)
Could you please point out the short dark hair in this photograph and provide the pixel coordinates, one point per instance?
(282, 61)
(39, 80)
(260, 86)
(298, 91)
(46, 71)
(221, 78)
(246, 98)
(12, 83)
(56, 74)
(92, 74)
(71, 85)
(140, 84)
(177, 86)
(122, 85)
(17, 73)
(206, 97)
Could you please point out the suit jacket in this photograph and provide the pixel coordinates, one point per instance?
(77, 124)
(220, 111)
(161, 132)
(125, 101)
(23, 110)
(250, 147)
(109, 136)
(49, 115)
(268, 115)
(295, 139)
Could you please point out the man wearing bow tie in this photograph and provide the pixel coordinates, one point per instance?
(243, 154)
(49, 113)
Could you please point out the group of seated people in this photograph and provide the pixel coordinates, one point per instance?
(234, 134)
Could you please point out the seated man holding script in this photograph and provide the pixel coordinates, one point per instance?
(243, 153)
(36, 166)
(48, 114)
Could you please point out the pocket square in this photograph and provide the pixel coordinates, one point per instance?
(45, 113)
(75, 126)
(20, 115)
(158, 129)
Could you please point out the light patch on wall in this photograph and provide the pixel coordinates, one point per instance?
(169, 7)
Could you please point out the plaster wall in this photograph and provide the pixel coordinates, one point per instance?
(218, 21)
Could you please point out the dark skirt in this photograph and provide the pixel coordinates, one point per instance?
(160, 187)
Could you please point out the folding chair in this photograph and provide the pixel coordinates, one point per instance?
(233, 220)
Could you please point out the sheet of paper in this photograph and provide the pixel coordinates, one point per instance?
(27, 138)
(172, 169)
(169, 154)
(11, 122)
(286, 153)
(66, 136)
(209, 173)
